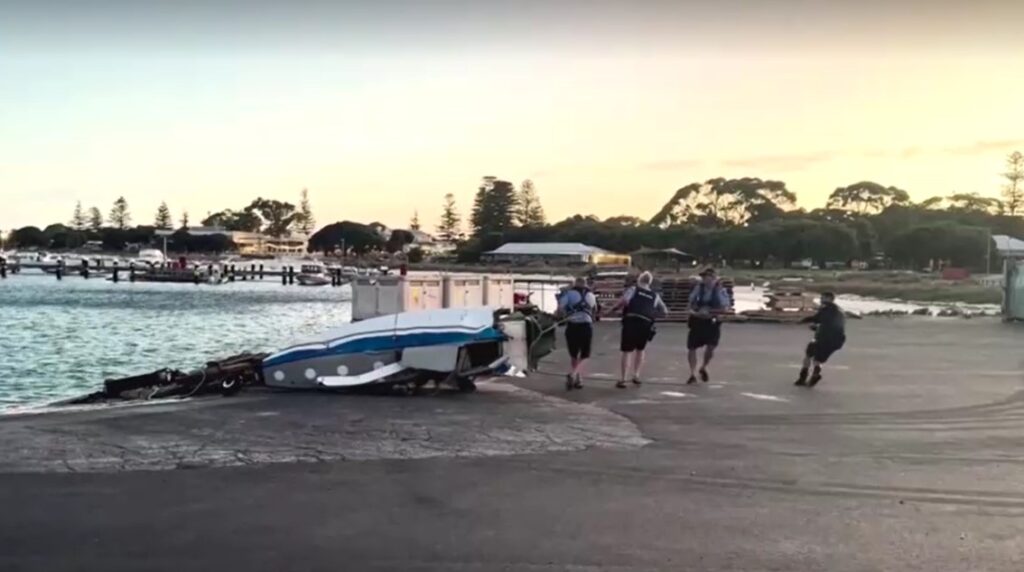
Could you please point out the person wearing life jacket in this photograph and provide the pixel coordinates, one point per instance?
(707, 301)
(640, 306)
(577, 306)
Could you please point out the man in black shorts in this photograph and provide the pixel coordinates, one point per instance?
(707, 300)
(829, 336)
(640, 307)
(577, 305)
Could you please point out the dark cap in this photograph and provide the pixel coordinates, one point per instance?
(709, 271)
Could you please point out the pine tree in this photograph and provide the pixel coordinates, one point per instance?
(162, 220)
(494, 208)
(184, 220)
(119, 216)
(448, 229)
(305, 223)
(1013, 192)
(95, 219)
(414, 223)
(528, 210)
(78, 220)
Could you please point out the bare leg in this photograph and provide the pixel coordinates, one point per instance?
(625, 365)
(638, 363)
(577, 368)
(691, 356)
(709, 353)
(573, 364)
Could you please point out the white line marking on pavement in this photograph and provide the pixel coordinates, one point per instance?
(675, 394)
(798, 366)
(764, 397)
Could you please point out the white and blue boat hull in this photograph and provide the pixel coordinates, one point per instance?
(411, 347)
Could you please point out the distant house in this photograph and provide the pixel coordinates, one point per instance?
(1008, 247)
(381, 229)
(251, 242)
(568, 253)
(650, 258)
(429, 244)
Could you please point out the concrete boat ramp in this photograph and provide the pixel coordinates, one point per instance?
(907, 457)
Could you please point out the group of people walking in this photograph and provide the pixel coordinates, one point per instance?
(640, 307)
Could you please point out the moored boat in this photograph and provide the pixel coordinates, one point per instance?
(312, 274)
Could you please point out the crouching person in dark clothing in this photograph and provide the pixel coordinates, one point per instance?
(830, 335)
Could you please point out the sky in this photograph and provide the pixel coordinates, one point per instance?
(380, 108)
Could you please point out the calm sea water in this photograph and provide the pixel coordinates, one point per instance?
(60, 339)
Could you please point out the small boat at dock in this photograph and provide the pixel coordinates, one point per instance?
(312, 274)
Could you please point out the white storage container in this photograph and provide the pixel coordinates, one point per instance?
(499, 291)
(423, 293)
(463, 291)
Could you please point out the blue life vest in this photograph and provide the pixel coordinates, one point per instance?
(581, 307)
(715, 303)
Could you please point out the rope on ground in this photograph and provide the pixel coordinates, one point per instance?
(196, 388)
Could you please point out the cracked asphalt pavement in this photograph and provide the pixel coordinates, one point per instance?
(907, 457)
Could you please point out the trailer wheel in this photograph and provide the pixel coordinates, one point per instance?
(230, 386)
(465, 385)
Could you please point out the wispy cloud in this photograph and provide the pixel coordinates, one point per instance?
(976, 148)
(798, 161)
(982, 147)
(782, 162)
(672, 164)
(790, 162)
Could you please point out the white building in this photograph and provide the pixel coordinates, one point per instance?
(1008, 247)
(554, 253)
(252, 242)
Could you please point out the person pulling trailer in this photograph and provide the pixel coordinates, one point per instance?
(707, 301)
(829, 325)
(577, 306)
(641, 307)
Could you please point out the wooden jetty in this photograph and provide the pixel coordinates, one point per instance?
(173, 272)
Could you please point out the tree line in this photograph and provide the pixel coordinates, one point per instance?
(498, 208)
(739, 221)
(115, 232)
(753, 221)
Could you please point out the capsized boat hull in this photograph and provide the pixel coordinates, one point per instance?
(450, 345)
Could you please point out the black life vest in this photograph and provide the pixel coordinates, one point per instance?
(715, 303)
(643, 304)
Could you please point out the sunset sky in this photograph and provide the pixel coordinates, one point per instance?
(380, 108)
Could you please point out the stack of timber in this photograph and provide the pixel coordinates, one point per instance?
(785, 305)
(675, 291)
(608, 288)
